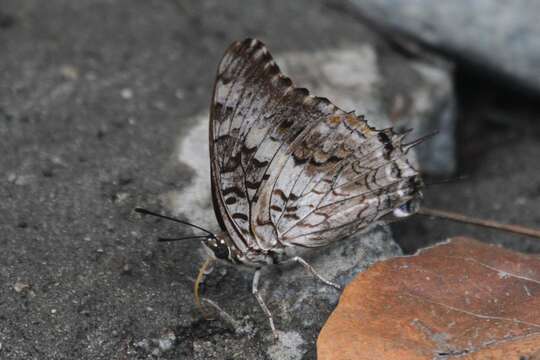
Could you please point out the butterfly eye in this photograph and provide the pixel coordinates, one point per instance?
(219, 248)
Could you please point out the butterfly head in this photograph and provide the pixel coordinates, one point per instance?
(218, 246)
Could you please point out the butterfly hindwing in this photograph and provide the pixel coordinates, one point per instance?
(342, 176)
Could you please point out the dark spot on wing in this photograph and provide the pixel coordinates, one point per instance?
(259, 164)
(396, 171)
(299, 160)
(287, 123)
(234, 190)
(383, 137)
(248, 151)
(253, 185)
(388, 147)
(331, 159)
(281, 194)
(293, 197)
(291, 216)
(240, 216)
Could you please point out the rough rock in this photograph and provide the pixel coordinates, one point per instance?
(497, 35)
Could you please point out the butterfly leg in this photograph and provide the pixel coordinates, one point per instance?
(223, 314)
(312, 270)
(196, 289)
(255, 291)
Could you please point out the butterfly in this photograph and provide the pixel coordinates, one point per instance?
(289, 169)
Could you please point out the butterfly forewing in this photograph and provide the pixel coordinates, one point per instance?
(292, 169)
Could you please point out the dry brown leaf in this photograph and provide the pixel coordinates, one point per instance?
(462, 299)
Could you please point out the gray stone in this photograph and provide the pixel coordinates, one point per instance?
(502, 36)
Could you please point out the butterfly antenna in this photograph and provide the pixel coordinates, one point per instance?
(408, 146)
(448, 215)
(148, 212)
(182, 238)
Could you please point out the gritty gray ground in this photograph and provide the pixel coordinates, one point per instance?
(91, 93)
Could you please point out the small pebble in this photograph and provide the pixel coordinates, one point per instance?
(143, 344)
(70, 72)
(126, 269)
(179, 94)
(156, 352)
(126, 93)
(57, 160)
(166, 342)
(120, 197)
(20, 286)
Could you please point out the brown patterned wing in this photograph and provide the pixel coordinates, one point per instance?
(256, 114)
(292, 169)
(353, 176)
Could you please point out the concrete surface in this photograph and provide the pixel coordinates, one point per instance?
(93, 98)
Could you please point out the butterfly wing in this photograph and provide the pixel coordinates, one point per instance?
(256, 114)
(354, 175)
(292, 169)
